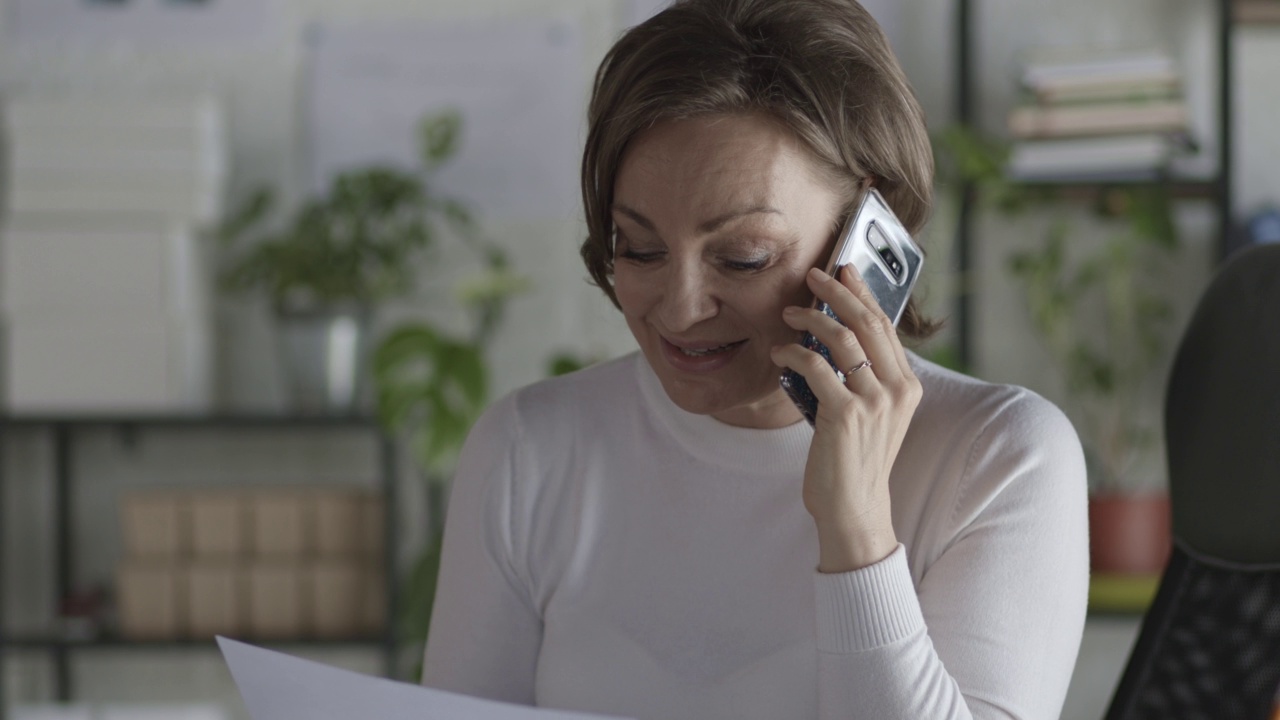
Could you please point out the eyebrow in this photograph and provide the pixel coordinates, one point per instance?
(706, 226)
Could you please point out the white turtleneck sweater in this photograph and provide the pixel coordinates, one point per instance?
(606, 551)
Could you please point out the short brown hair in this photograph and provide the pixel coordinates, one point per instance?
(822, 68)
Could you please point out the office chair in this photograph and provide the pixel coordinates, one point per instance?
(1209, 646)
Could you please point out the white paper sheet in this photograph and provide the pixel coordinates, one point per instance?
(276, 686)
(520, 86)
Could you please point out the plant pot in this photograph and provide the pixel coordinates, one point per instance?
(323, 354)
(1129, 534)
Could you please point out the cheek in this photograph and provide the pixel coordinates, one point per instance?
(792, 289)
(765, 303)
(631, 292)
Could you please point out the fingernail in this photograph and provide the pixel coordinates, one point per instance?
(791, 311)
(818, 274)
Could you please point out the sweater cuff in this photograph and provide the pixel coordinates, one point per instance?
(867, 608)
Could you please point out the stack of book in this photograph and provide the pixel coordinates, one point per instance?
(1257, 11)
(1117, 116)
(104, 303)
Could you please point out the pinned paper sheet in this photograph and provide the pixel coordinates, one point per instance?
(276, 686)
(520, 86)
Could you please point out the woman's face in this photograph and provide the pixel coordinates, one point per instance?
(718, 219)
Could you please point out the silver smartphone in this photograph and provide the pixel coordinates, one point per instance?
(876, 244)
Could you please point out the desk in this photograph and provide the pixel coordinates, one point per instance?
(1104, 651)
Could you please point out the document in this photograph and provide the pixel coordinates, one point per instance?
(276, 686)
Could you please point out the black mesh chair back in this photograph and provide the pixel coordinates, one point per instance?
(1209, 646)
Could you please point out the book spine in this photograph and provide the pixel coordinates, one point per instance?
(1031, 122)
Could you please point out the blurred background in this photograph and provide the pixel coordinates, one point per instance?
(263, 261)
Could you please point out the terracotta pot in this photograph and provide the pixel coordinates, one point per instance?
(1129, 534)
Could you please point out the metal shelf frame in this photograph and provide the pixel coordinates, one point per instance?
(63, 429)
(1220, 188)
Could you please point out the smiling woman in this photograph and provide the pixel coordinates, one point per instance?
(718, 219)
(664, 536)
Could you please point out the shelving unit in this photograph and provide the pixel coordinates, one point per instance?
(63, 430)
(1219, 188)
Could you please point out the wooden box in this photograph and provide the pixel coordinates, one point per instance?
(154, 524)
(216, 599)
(150, 601)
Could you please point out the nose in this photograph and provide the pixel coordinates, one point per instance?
(688, 296)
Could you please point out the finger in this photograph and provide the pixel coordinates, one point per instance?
(874, 332)
(861, 290)
(841, 342)
(824, 383)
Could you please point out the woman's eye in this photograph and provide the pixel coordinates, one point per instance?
(747, 265)
(639, 256)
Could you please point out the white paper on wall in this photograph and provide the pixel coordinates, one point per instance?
(640, 10)
(889, 14)
(518, 84)
(144, 22)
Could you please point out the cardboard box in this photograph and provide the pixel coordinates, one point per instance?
(338, 589)
(69, 265)
(150, 601)
(340, 523)
(109, 361)
(111, 154)
(109, 122)
(154, 524)
(179, 203)
(219, 524)
(281, 523)
(277, 600)
(216, 599)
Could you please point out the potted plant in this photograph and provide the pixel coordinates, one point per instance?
(336, 259)
(1102, 311)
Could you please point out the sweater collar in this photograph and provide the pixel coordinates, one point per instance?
(780, 452)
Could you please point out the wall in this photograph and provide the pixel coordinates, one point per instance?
(262, 86)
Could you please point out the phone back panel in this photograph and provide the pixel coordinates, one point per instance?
(876, 244)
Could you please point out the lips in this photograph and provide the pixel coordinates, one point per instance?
(692, 352)
(700, 357)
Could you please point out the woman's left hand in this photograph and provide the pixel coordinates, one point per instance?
(860, 423)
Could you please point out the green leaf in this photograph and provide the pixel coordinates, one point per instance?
(491, 285)
(564, 363)
(247, 215)
(439, 137)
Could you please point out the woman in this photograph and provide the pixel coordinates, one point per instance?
(663, 536)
